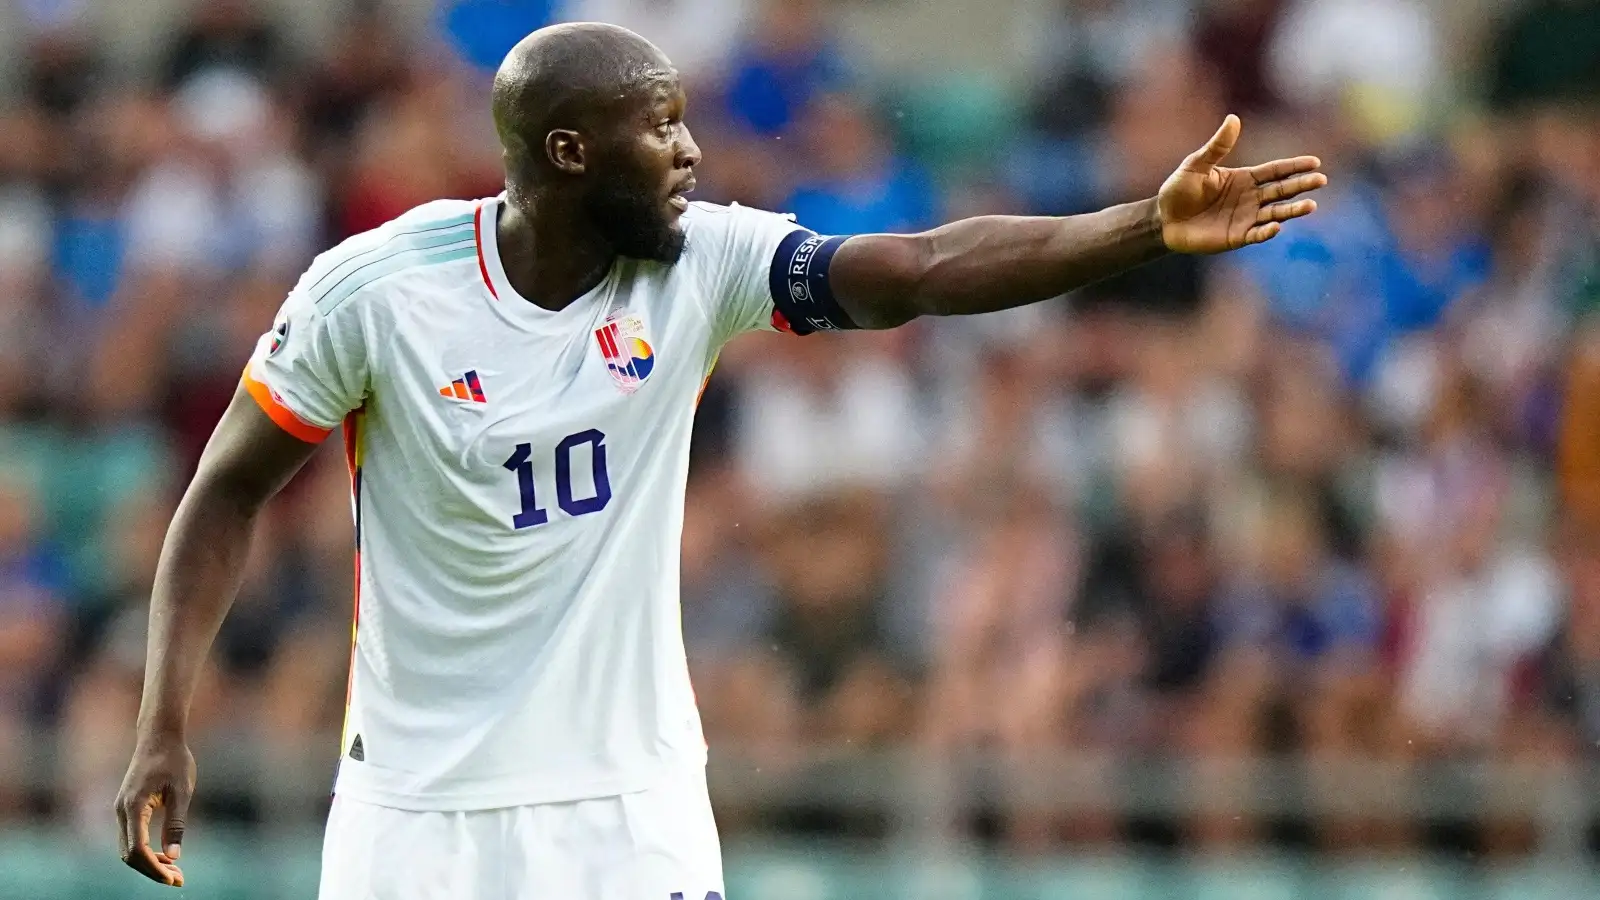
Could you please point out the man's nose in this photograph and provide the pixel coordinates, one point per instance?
(688, 151)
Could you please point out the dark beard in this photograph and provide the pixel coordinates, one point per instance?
(633, 222)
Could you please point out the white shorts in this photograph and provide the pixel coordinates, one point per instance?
(658, 844)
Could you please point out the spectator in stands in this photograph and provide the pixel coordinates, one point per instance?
(1544, 53)
(855, 183)
(1578, 452)
(1438, 252)
(1476, 623)
(1562, 687)
(407, 154)
(1234, 36)
(849, 418)
(24, 277)
(728, 599)
(33, 607)
(368, 59)
(1321, 284)
(1511, 328)
(729, 604)
(1298, 630)
(698, 36)
(787, 60)
(832, 624)
(744, 168)
(1306, 437)
(62, 70)
(482, 32)
(224, 34)
(107, 665)
(1174, 427)
(1004, 422)
(1479, 599)
(1144, 646)
(1103, 42)
(1004, 673)
(1379, 60)
(1157, 583)
(999, 623)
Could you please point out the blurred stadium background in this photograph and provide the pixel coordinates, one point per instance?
(1272, 576)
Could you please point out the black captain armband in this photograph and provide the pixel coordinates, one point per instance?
(801, 296)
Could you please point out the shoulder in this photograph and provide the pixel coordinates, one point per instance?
(703, 213)
(432, 234)
(715, 221)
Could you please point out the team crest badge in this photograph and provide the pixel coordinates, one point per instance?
(280, 334)
(626, 349)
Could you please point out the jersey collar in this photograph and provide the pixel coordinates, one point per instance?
(507, 300)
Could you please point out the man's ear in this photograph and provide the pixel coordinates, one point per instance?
(564, 149)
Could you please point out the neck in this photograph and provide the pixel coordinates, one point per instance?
(547, 260)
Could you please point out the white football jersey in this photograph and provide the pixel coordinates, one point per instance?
(518, 484)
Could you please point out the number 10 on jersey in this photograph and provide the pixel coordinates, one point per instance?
(521, 463)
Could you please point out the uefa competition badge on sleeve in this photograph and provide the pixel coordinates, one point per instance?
(280, 334)
(626, 349)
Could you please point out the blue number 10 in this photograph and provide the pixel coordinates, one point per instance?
(521, 462)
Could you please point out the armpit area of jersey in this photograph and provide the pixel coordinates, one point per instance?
(802, 299)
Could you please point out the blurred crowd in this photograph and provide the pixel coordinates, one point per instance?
(1337, 496)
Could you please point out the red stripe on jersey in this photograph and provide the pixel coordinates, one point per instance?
(608, 341)
(483, 267)
(352, 438)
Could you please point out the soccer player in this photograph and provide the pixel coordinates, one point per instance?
(517, 379)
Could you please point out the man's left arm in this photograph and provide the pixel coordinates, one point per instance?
(990, 263)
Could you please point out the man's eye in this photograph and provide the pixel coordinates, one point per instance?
(665, 128)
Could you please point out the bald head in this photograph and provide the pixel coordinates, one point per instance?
(577, 76)
(592, 121)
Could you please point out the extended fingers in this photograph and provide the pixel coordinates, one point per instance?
(1282, 168)
(1283, 212)
(1288, 188)
(1261, 233)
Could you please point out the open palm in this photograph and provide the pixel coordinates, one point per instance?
(1206, 208)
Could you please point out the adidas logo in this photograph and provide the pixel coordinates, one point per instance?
(467, 387)
(357, 752)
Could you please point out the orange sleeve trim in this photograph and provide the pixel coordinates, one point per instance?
(280, 414)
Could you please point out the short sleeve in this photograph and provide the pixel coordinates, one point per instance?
(739, 244)
(310, 370)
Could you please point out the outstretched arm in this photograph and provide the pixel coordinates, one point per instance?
(248, 460)
(992, 263)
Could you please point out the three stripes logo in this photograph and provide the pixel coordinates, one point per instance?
(467, 387)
